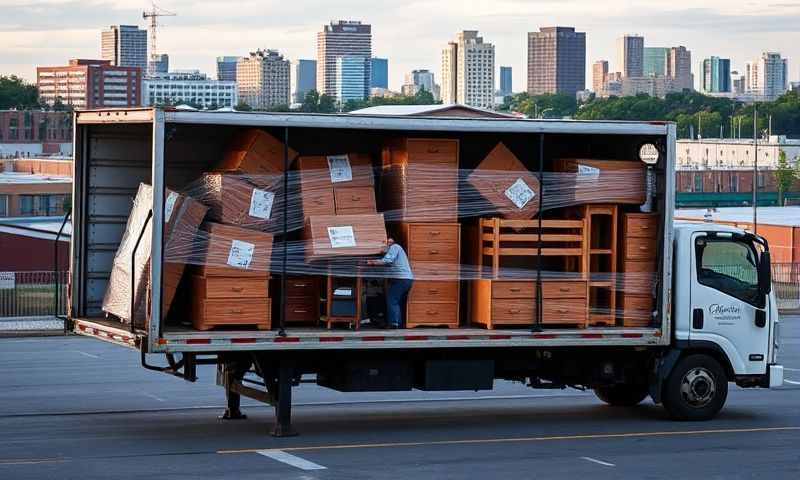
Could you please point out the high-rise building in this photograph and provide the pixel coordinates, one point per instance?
(345, 38)
(380, 73)
(226, 68)
(304, 78)
(159, 63)
(599, 75)
(350, 78)
(125, 46)
(506, 88)
(630, 51)
(716, 75)
(679, 67)
(90, 84)
(556, 61)
(262, 79)
(468, 71)
(767, 77)
(738, 83)
(655, 61)
(419, 80)
(189, 86)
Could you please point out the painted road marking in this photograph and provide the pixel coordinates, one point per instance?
(792, 369)
(154, 397)
(31, 461)
(86, 354)
(791, 382)
(599, 462)
(593, 436)
(290, 459)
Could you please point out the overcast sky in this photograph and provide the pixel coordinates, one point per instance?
(410, 33)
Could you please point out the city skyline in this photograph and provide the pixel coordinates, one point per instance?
(740, 33)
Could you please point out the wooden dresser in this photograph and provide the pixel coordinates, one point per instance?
(302, 299)
(230, 299)
(433, 250)
(638, 268)
(513, 302)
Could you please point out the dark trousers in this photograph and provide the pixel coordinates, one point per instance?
(396, 293)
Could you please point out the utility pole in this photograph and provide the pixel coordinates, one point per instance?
(153, 15)
(755, 168)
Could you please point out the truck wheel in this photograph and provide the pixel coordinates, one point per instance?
(622, 395)
(696, 389)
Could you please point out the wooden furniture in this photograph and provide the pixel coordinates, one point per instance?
(254, 201)
(329, 236)
(600, 247)
(323, 193)
(254, 151)
(351, 303)
(638, 267)
(433, 251)
(513, 302)
(501, 239)
(420, 180)
(302, 299)
(601, 181)
(234, 251)
(505, 182)
(230, 301)
(354, 200)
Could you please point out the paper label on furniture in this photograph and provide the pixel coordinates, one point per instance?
(241, 254)
(343, 292)
(342, 236)
(588, 172)
(339, 166)
(169, 205)
(520, 193)
(261, 203)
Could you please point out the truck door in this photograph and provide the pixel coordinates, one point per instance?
(728, 308)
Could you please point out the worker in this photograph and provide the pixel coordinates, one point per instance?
(399, 280)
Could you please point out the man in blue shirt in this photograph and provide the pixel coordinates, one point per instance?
(398, 273)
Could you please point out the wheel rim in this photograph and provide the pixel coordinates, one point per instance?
(698, 387)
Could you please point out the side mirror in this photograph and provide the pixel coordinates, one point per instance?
(765, 274)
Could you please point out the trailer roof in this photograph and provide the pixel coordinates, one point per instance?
(374, 122)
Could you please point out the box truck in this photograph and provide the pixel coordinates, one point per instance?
(542, 251)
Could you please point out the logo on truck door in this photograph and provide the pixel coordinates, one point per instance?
(725, 314)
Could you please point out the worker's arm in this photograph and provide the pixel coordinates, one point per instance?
(388, 258)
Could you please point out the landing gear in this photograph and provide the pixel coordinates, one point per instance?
(230, 375)
(283, 401)
(696, 389)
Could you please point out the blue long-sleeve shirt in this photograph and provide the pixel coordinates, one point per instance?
(397, 262)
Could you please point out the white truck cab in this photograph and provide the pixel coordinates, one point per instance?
(724, 307)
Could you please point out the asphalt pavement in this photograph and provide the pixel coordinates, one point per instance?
(73, 407)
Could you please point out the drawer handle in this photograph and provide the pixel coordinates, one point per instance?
(355, 198)
(513, 310)
(643, 247)
(514, 289)
(237, 289)
(300, 311)
(562, 310)
(300, 285)
(563, 289)
(433, 150)
(644, 227)
(435, 232)
(235, 310)
(434, 252)
(432, 312)
(433, 291)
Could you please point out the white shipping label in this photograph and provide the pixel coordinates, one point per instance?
(169, 205)
(241, 254)
(342, 237)
(261, 203)
(588, 172)
(520, 193)
(339, 166)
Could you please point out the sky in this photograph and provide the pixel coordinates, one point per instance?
(410, 33)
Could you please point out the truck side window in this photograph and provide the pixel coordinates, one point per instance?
(729, 265)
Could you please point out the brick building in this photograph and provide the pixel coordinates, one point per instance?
(34, 131)
(35, 187)
(88, 84)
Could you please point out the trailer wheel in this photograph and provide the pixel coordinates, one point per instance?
(696, 389)
(622, 395)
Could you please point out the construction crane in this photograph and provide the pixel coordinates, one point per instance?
(153, 15)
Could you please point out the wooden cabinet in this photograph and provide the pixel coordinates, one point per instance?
(433, 251)
(230, 301)
(302, 299)
(420, 180)
(255, 151)
(354, 200)
(320, 194)
(638, 268)
(513, 302)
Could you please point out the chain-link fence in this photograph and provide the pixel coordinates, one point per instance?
(786, 281)
(32, 294)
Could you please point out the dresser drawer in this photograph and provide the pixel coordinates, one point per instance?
(433, 252)
(296, 286)
(317, 201)
(636, 310)
(641, 225)
(637, 248)
(520, 289)
(222, 311)
(432, 313)
(551, 289)
(433, 233)
(425, 150)
(425, 291)
(302, 310)
(231, 288)
(354, 200)
(513, 312)
(564, 311)
(639, 276)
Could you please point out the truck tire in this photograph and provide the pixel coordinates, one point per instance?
(622, 395)
(696, 389)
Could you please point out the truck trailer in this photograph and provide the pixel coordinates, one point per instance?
(568, 269)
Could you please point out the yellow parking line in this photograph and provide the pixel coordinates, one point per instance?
(517, 439)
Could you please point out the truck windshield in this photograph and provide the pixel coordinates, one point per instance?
(730, 266)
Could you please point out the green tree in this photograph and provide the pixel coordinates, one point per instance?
(785, 175)
(327, 104)
(310, 102)
(549, 105)
(242, 107)
(15, 93)
(424, 97)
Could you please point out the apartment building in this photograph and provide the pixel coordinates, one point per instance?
(343, 38)
(90, 84)
(468, 71)
(191, 87)
(262, 79)
(124, 46)
(556, 61)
